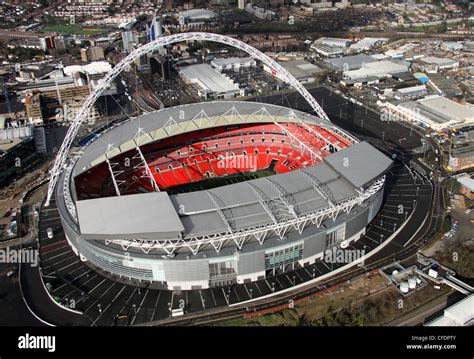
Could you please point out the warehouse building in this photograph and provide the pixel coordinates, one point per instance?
(233, 63)
(467, 185)
(209, 83)
(435, 112)
(368, 42)
(350, 62)
(432, 64)
(327, 51)
(412, 92)
(302, 70)
(376, 69)
(459, 314)
(462, 157)
(333, 41)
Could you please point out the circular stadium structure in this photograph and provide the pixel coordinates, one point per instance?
(215, 193)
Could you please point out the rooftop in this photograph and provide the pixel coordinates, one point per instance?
(440, 61)
(151, 213)
(351, 62)
(300, 69)
(459, 314)
(443, 106)
(208, 78)
(467, 181)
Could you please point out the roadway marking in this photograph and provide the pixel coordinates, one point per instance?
(108, 306)
(247, 291)
(238, 298)
(296, 272)
(113, 283)
(276, 278)
(213, 298)
(60, 269)
(140, 307)
(57, 255)
(65, 283)
(156, 306)
(225, 296)
(202, 300)
(56, 263)
(131, 295)
(103, 280)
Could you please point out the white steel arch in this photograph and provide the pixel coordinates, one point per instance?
(160, 42)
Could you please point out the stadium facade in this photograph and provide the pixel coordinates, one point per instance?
(215, 193)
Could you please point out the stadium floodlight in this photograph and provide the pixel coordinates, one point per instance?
(277, 70)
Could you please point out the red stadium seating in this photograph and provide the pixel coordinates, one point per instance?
(214, 152)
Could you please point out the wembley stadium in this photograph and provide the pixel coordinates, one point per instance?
(210, 194)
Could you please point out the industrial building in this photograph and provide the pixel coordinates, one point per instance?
(467, 185)
(350, 62)
(196, 16)
(302, 70)
(461, 157)
(410, 93)
(209, 82)
(379, 69)
(368, 42)
(326, 50)
(451, 46)
(432, 64)
(435, 112)
(260, 12)
(14, 152)
(233, 63)
(334, 41)
(459, 314)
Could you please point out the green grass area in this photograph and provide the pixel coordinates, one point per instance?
(73, 30)
(219, 181)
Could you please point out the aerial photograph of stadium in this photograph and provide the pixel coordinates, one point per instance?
(237, 163)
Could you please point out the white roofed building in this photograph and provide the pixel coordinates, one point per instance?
(209, 82)
(233, 63)
(376, 69)
(459, 314)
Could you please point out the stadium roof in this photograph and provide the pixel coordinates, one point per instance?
(149, 214)
(360, 164)
(237, 206)
(247, 209)
(156, 125)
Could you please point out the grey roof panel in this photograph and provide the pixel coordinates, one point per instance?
(359, 164)
(146, 213)
(203, 223)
